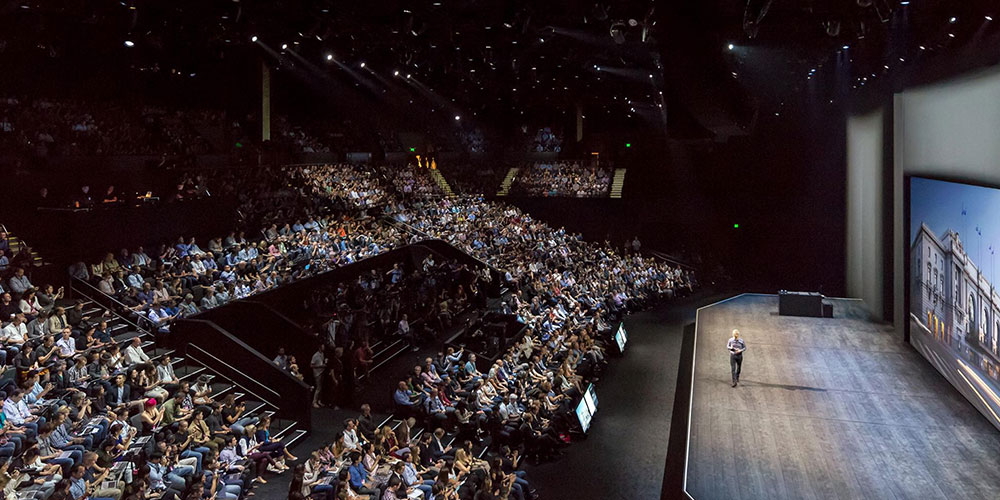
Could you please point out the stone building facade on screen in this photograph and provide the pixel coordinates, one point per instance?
(952, 297)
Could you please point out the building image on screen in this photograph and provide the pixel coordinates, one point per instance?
(954, 304)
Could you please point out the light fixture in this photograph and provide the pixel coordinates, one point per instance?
(989, 18)
(253, 38)
(284, 46)
(731, 46)
(329, 57)
(952, 20)
(362, 64)
(395, 73)
(923, 48)
(845, 47)
(457, 117)
(129, 43)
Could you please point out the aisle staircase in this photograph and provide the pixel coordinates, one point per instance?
(16, 244)
(507, 181)
(124, 325)
(441, 182)
(618, 183)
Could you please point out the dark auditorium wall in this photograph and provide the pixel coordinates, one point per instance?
(784, 184)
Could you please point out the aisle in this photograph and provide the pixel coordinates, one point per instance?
(624, 454)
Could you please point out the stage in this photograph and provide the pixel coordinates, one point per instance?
(828, 408)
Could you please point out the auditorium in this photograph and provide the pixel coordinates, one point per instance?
(520, 250)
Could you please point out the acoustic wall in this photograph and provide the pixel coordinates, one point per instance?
(865, 237)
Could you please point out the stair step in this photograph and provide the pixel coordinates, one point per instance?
(192, 374)
(507, 181)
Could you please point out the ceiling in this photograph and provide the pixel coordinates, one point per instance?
(709, 68)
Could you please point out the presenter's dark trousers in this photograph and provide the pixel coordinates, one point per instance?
(736, 362)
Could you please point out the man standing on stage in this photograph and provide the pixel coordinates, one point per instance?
(736, 346)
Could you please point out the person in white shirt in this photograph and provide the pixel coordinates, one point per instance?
(351, 441)
(134, 353)
(16, 411)
(16, 332)
(66, 345)
(140, 259)
(404, 327)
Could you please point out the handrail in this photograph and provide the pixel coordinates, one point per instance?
(220, 351)
(110, 298)
(428, 237)
(206, 353)
(253, 352)
(667, 257)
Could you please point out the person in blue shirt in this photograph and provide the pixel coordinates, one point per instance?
(359, 477)
(405, 399)
(182, 248)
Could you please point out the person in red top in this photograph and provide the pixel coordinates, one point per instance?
(363, 358)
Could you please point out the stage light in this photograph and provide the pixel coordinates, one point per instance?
(253, 38)
(457, 118)
(284, 46)
(952, 20)
(845, 47)
(395, 73)
(731, 46)
(129, 43)
(408, 76)
(329, 57)
(923, 48)
(628, 144)
(989, 18)
(736, 226)
(951, 35)
(362, 65)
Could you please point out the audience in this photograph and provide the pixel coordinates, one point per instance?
(568, 179)
(81, 401)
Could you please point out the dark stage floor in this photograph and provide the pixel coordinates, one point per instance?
(624, 454)
(829, 408)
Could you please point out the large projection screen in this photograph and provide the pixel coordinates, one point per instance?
(953, 234)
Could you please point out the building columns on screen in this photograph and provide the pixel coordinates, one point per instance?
(953, 299)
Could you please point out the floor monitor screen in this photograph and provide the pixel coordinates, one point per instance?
(621, 337)
(584, 415)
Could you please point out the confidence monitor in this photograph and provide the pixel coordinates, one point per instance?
(953, 233)
(621, 337)
(590, 397)
(584, 415)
